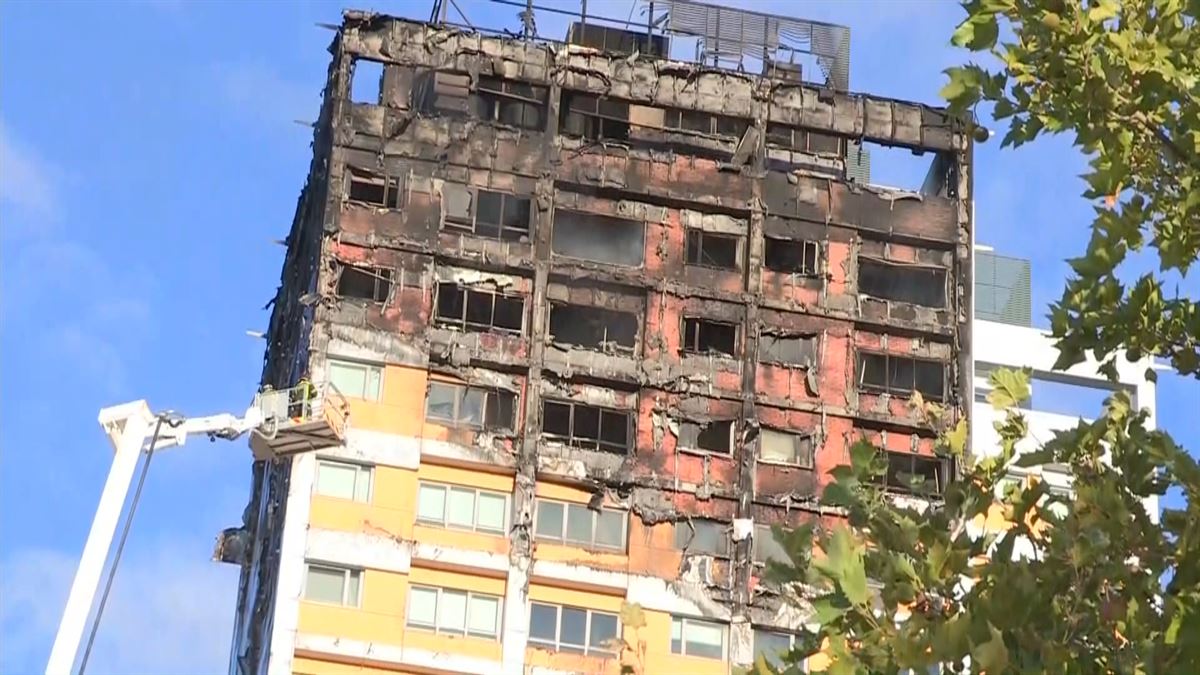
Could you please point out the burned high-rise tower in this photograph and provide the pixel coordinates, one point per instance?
(599, 317)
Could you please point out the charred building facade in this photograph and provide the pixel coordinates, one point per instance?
(601, 318)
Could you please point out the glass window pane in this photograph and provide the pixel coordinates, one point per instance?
(471, 411)
(573, 628)
(336, 480)
(324, 584)
(452, 611)
(604, 629)
(610, 529)
(422, 606)
(371, 392)
(362, 485)
(460, 508)
(492, 511)
(348, 378)
(549, 520)
(676, 635)
(543, 623)
(482, 619)
(771, 646)
(579, 524)
(352, 579)
(705, 639)
(431, 504)
(441, 401)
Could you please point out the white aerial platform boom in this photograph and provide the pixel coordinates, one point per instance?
(280, 423)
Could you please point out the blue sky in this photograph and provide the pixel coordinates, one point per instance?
(148, 159)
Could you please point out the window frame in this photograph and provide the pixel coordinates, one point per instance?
(557, 646)
(806, 245)
(597, 444)
(683, 622)
(791, 638)
(359, 470)
(689, 526)
(461, 392)
(492, 93)
(809, 463)
(862, 357)
(942, 475)
(814, 347)
(563, 538)
(863, 261)
(761, 532)
(468, 326)
(445, 523)
(698, 236)
(437, 628)
(394, 188)
(369, 369)
(381, 277)
(469, 226)
(347, 574)
(694, 347)
(700, 428)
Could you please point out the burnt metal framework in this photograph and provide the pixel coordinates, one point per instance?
(426, 129)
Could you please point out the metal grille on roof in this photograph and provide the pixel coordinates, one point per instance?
(735, 34)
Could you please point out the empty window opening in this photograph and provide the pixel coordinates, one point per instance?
(711, 437)
(788, 350)
(513, 103)
(767, 547)
(476, 310)
(572, 629)
(916, 474)
(453, 612)
(704, 123)
(902, 283)
(365, 283)
(785, 448)
(577, 525)
(585, 426)
(800, 140)
(599, 238)
(902, 375)
(461, 405)
(374, 189)
(593, 327)
(706, 537)
(483, 213)
(366, 82)
(594, 118)
(702, 336)
(712, 250)
(793, 256)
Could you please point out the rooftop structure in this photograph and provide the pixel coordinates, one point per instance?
(602, 317)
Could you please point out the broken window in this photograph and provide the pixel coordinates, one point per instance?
(793, 256)
(712, 437)
(366, 81)
(704, 123)
(478, 310)
(811, 142)
(916, 474)
(593, 327)
(902, 375)
(510, 102)
(365, 283)
(586, 426)
(706, 537)
(483, 213)
(767, 546)
(903, 283)
(594, 118)
(702, 336)
(599, 238)
(370, 188)
(799, 350)
(462, 405)
(712, 250)
(785, 448)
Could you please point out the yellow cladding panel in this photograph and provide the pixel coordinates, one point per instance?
(562, 493)
(318, 666)
(401, 405)
(380, 617)
(392, 508)
(496, 482)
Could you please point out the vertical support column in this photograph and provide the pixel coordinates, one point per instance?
(290, 564)
(129, 444)
(520, 557)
